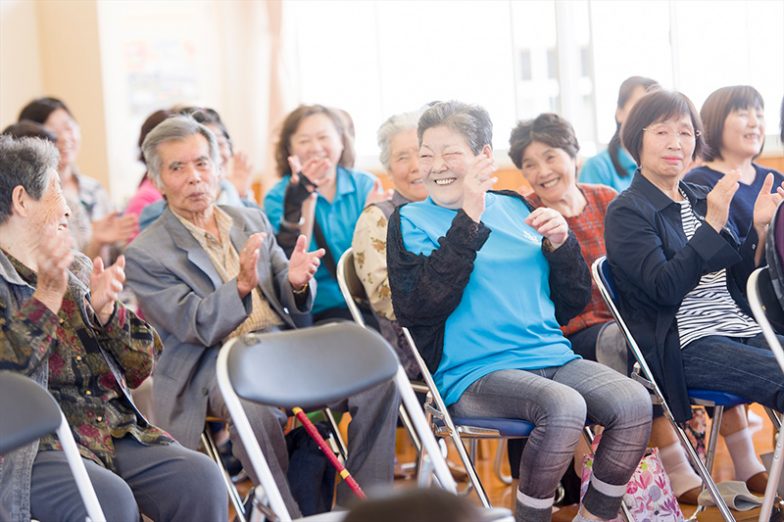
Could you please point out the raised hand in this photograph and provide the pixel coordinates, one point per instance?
(550, 224)
(719, 200)
(115, 228)
(478, 180)
(314, 170)
(303, 264)
(105, 287)
(248, 278)
(766, 203)
(240, 173)
(377, 193)
(53, 257)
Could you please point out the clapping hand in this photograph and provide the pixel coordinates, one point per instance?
(377, 193)
(719, 199)
(478, 180)
(115, 228)
(105, 287)
(248, 278)
(53, 259)
(315, 170)
(303, 264)
(766, 204)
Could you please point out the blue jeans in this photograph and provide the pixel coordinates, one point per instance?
(744, 366)
(557, 401)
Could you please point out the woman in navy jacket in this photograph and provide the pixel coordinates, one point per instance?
(680, 267)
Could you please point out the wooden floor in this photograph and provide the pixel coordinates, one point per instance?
(503, 495)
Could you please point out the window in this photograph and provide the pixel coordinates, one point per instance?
(518, 59)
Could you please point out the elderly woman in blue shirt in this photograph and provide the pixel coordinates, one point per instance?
(315, 156)
(483, 280)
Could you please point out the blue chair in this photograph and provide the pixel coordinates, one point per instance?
(602, 275)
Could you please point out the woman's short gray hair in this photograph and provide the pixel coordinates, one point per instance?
(28, 162)
(176, 128)
(393, 126)
(472, 121)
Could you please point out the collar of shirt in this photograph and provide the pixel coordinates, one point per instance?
(659, 199)
(345, 185)
(222, 220)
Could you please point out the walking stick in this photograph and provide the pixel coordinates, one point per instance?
(316, 436)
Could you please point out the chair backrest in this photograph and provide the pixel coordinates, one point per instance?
(766, 309)
(351, 287)
(603, 277)
(27, 411)
(310, 367)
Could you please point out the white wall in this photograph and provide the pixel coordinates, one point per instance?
(20, 65)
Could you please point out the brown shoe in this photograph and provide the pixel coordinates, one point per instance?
(757, 483)
(458, 473)
(690, 497)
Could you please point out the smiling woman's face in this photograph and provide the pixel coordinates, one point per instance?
(444, 159)
(549, 170)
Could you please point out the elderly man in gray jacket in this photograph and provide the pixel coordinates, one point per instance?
(204, 273)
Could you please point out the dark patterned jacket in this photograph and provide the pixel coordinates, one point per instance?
(93, 396)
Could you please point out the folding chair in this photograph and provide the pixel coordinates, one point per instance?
(354, 294)
(212, 451)
(309, 368)
(27, 413)
(603, 277)
(436, 413)
(770, 316)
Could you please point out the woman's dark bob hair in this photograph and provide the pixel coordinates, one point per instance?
(655, 107)
(718, 105)
(548, 128)
(291, 124)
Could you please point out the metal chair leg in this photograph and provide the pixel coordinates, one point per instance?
(499, 462)
(774, 477)
(212, 452)
(704, 474)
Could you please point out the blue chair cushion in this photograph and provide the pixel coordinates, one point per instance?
(719, 398)
(507, 427)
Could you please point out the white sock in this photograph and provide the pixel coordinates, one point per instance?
(676, 465)
(743, 456)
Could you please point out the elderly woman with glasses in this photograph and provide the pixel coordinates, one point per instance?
(483, 280)
(681, 268)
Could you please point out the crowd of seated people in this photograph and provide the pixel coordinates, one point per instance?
(494, 286)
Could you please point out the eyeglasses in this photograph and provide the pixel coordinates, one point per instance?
(662, 133)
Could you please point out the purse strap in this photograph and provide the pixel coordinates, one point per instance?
(321, 242)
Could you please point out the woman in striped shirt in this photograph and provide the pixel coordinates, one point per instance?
(681, 271)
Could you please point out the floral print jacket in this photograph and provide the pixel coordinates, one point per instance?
(48, 348)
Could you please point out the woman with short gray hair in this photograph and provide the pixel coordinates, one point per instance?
(399, 153)
(483, 280)
(62, 325)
